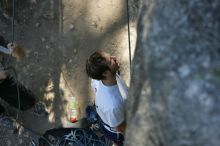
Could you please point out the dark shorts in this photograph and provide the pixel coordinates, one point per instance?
(8, 92)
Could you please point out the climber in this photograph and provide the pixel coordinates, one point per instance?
(111, 94)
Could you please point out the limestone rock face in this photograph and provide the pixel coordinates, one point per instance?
(175, 86)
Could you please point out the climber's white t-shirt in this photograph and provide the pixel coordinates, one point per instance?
(110, 105)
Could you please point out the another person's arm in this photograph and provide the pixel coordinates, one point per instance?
(5, 50)
(14, 50)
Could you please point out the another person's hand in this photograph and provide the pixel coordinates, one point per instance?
(16, 51)
(3, 75)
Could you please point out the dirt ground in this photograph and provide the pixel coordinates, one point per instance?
(58, 36)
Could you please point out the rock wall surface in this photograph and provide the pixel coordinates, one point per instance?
(175, 96)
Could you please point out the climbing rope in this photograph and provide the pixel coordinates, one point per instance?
(73, 136)
(81, 138)
(13, 69)
(13, 21)
(129, 38)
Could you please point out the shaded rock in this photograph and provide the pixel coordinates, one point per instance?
(75, 51)
(40, 109)
(70, 61)
(12, 133)
(174, 98)
(43, 39)
(37, 24)
(72, 27)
